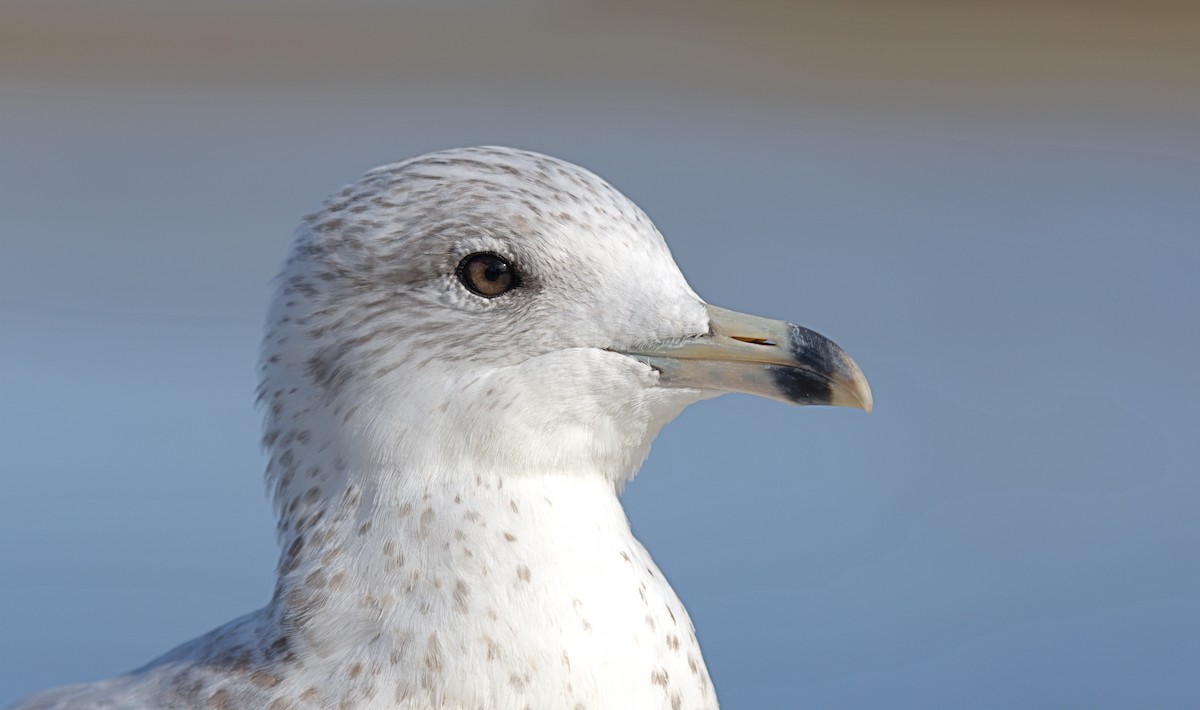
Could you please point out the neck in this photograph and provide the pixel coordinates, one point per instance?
(480, 576)
(429, 548)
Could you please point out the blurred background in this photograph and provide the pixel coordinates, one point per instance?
(994, 206)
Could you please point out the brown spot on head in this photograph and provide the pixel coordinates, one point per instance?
(279, 648)
(426, 523)
(659, 677)
(291, 558)
(220, 700)
(510, 537)
(354, 670)
(524, 574)
(519, 681)
(493, 648)
(432, 661)
(264, 679)
(330, 225)
(461, 592)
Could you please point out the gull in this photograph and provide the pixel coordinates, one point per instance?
(468, 355)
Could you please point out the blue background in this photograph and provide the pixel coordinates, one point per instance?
(994, 208)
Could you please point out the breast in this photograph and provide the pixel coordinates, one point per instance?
(530, 594)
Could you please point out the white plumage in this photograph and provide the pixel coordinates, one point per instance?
(446, 465)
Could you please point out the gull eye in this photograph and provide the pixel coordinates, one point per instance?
(487, 274)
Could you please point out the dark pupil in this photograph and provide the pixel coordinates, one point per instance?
(495, 269)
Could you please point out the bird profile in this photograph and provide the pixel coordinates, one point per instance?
(468, 355)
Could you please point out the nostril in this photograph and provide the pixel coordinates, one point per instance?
(754, 341)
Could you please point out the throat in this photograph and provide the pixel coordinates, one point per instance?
(470, 552)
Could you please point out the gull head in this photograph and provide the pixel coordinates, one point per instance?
(500, 310)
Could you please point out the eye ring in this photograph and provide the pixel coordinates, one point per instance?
(487, 274)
